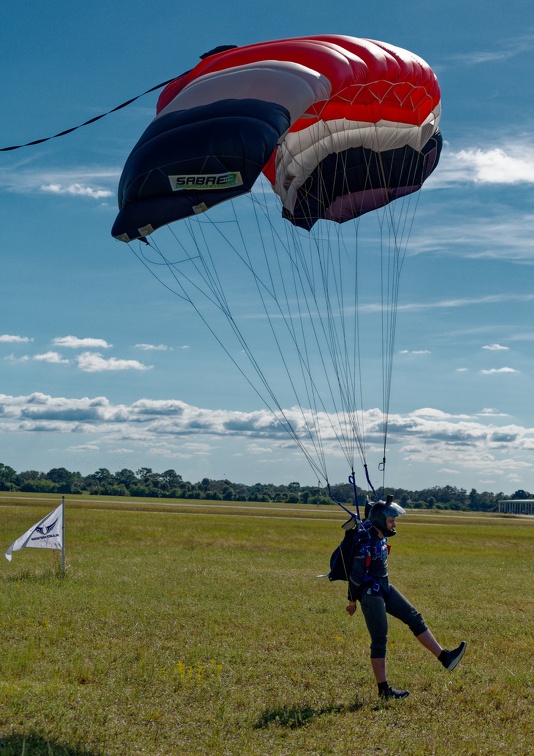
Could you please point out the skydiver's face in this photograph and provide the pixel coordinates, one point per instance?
(390, 523)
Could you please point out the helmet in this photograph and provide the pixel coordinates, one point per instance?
(383, 509)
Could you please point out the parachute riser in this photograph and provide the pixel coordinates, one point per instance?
(369, 479)
(354, 516)
(338, 502)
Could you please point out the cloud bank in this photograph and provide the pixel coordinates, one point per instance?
(477, 444)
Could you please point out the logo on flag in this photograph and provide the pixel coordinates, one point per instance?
(45, 529)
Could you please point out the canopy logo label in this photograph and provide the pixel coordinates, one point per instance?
(206, 181)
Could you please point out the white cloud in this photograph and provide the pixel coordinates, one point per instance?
(483, 232)
(12, 358)
(196, 447)
(53, 357)
(85, 181)
(495, 347)
(490, 412)
(154, 347)
(513, 478)
(493, 371)
(414, 351)
(502, 50)
(496, 166)
(7, 338)
(73, 342)
(460, 302)
(93, 362)
(508, 164)
(77, 190)
(258, 449)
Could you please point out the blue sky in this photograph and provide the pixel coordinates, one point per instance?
(100, 366)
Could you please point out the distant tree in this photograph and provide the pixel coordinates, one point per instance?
(28, 475)
(94, 481)
(520, 494)
(113, 489)
(474, 500)
(171, 478)
(489, 501)
(41, 485)
(125, 477)
(145, 474)
(138, 489)
(193, 494)
(204, 484)
(102, 475)
(65, 481)
(59, 475)
(7, 478)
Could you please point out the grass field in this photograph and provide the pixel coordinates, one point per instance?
(202, 629)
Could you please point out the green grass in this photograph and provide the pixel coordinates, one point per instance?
(179, 632)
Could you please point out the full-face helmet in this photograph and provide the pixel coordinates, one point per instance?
(380, 511)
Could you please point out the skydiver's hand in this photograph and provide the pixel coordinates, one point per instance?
(351, 607)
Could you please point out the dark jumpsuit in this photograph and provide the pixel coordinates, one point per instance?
(371, 586)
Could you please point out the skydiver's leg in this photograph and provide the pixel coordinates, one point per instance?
(429, 642)
(449, 659)
(374, 612)
(399, 607)
(379, 669)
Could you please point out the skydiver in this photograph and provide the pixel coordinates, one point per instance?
(369, 584)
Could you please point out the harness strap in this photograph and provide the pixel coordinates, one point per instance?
(364, 537)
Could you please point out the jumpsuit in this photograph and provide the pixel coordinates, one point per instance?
(369, 583)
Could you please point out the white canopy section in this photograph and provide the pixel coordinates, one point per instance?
(302, 151)
(291, 85)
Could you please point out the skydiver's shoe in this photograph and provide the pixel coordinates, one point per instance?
(450, 659)
(390, 692)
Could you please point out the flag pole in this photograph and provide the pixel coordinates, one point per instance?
(63, 536)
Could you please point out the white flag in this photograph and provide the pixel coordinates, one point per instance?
(47, 534)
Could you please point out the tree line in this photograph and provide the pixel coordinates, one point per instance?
(145, 482)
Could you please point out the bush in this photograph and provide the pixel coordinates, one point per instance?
(39, 486)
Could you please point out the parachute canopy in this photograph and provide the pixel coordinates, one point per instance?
(340, 126)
